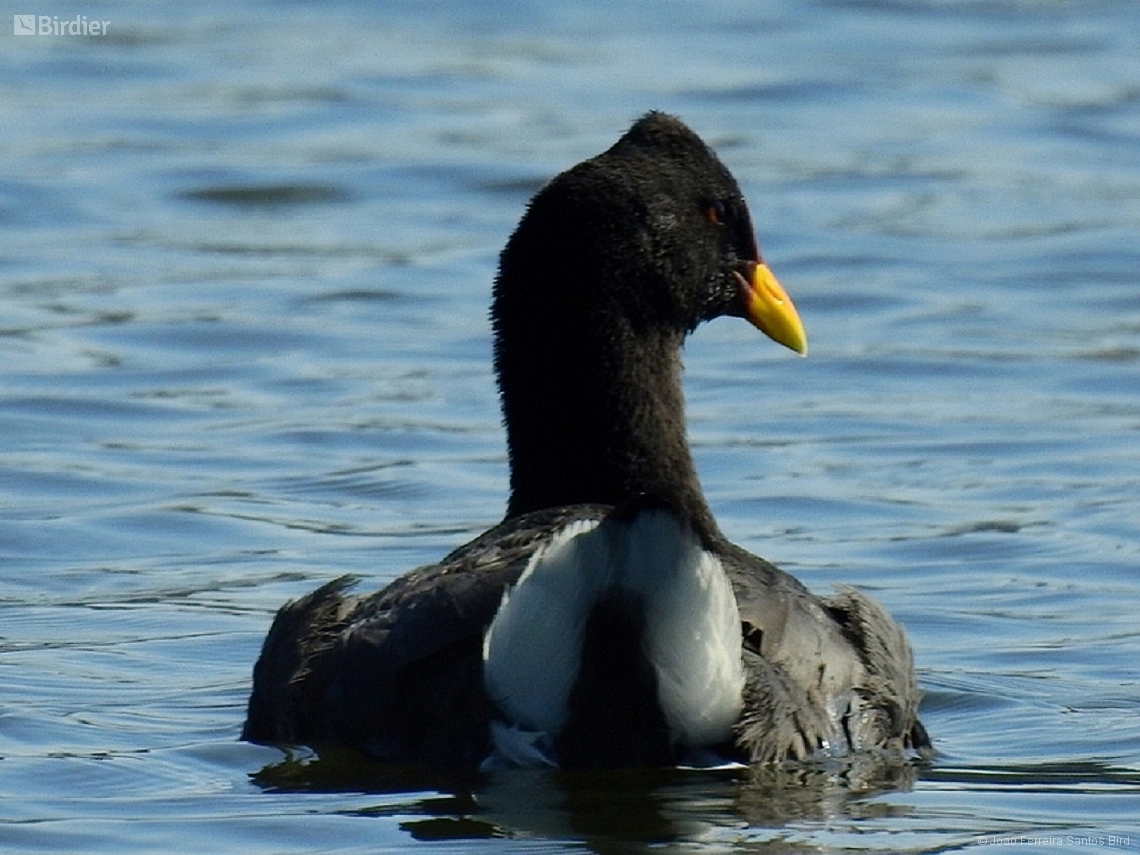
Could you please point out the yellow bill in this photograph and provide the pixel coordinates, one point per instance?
(769, 308)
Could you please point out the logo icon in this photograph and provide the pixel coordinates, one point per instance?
(24, 25)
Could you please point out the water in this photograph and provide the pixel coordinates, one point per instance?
(246, 256)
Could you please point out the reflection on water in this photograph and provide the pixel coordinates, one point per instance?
(603, 809)
(767, 809)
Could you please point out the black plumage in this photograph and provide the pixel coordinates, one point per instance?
(613, 264)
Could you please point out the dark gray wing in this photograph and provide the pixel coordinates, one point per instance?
(832, 673)
(397, 673)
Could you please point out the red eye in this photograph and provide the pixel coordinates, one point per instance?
(715, 212)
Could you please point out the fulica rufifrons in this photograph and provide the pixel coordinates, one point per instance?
(606, 621)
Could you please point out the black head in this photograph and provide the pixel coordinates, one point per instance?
(654, 230)
(614, 262)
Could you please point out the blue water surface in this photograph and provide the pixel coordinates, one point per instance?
(246, 251)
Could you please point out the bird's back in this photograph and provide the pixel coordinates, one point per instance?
(398, 674)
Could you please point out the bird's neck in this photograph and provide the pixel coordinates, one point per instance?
(599, 420)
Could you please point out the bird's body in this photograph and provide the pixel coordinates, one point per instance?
(606, 621)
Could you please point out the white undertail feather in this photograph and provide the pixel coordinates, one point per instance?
(533, 646)
(532, 649)
(692, 628)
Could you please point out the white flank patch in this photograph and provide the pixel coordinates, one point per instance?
(532, 649)
(533, 646)
(692, 624)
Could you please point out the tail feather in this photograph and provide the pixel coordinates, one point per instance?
(301, 630)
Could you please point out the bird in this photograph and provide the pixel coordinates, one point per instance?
(606, 621)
